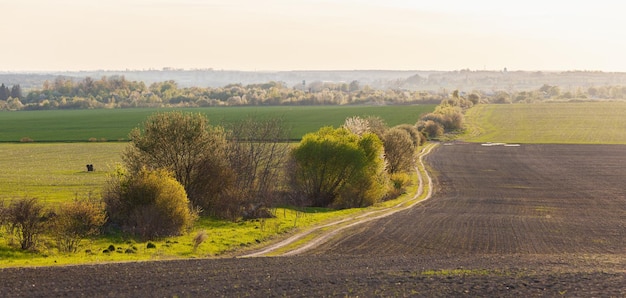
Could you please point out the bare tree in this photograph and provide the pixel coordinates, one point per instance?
(257, 154)
(25, 219)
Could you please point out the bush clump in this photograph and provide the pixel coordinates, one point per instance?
(24, 220)
(149, 204)
(77, 220)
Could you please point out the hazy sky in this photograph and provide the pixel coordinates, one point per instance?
(312, 34)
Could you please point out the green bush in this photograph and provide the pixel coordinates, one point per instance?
(150, 204)
(334, 167)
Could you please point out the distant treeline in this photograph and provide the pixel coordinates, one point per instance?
(118, 92)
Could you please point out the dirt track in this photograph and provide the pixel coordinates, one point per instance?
(535, 220)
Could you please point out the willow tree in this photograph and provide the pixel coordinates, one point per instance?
(334, 167)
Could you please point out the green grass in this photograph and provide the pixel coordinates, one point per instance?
(55, 172)
(548, 123)
(223, 236)
(115, 124)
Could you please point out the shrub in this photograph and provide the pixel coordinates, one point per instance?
(430, 129)
(399, 150)
(25, 220)
(77, 220)
(399, 181)
(416, 136)
(149, 204)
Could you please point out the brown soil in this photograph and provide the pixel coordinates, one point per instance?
(534, 220)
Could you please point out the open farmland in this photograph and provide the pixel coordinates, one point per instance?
(532, 199)
(534, 220)
(548, 123)
(55, 172)
(115, 124)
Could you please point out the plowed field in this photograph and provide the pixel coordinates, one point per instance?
(534, 220)
(531, 199)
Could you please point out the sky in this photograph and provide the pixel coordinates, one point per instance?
(273, 35)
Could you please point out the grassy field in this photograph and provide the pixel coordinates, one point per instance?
(112, 125)
(55, 172)
(548, 123)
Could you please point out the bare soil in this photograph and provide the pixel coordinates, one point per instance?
(534, 220)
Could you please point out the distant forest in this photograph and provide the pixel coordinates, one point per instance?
(381, 87)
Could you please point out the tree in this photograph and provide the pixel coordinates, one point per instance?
(5, 93)
(186, 145)
(149, 204)
(376, 125)
(430, 129)
(332, 162)
(16, 91)
(257, 154)
(399, 150)
(354, 86)
(370, 185)
(25, 219)
(357, 125)
(416, 136)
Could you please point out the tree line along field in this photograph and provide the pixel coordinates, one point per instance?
(548, 123)
(115, 124)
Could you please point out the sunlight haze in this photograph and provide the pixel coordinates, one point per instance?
(42, 35)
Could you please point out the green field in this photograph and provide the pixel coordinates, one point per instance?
(55, 172)
(548, 123)
(113, 125)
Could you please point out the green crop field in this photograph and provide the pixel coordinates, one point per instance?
(113, 125)
(544, 123)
